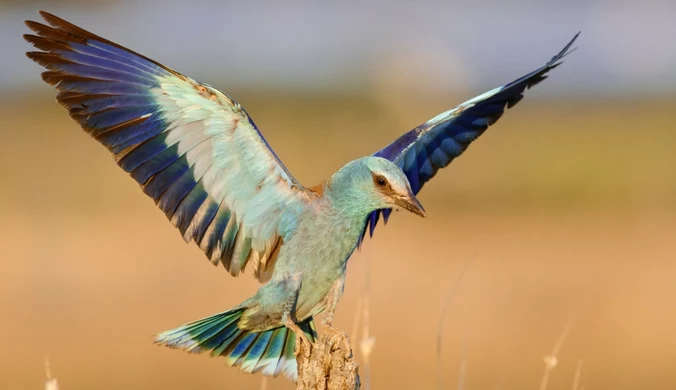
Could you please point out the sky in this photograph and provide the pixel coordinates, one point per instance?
(626, 48)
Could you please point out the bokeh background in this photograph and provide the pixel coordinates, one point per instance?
(564, 209)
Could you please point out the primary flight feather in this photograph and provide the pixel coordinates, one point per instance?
(201, 158)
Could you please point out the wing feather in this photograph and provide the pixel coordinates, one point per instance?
(193, 150)
(421, 152)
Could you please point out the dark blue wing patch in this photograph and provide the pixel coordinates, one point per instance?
(421, 152)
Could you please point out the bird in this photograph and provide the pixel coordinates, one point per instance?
(202, 159)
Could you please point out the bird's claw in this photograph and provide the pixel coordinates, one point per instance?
(301, 337)
(328, 320)
(336, 337)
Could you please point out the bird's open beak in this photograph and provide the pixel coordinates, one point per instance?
(411, 204)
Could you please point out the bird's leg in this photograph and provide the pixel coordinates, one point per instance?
(300, 335)
(332, 299)
(289, 313)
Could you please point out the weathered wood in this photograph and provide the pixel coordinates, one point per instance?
(328, 364)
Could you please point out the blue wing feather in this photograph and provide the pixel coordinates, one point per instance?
(120, 138)
(193, 150)
(201, 225)
(107, 102)
(421, 152)
(189, 206)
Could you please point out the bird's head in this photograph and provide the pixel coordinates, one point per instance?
(372, 183)
(377, 183)
(390, 186)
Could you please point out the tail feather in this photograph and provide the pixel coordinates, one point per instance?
(242, 346)
(253, 357)
(269, 362)
(269, 352)
(288, 365)
(211, 334)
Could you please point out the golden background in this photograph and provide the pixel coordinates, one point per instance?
(565, 209)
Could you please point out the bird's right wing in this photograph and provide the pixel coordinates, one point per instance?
(192, 149)
(421, 152)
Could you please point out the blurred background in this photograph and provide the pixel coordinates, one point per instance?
(564, 209)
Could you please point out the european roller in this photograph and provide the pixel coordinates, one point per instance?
(200, 157)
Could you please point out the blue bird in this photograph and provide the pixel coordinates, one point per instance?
(200, 157)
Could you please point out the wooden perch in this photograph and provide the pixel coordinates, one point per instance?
(327, 365)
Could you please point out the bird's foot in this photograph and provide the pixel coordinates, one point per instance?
(328, 319)
(303, 344)
(301, 337)
(338, 337)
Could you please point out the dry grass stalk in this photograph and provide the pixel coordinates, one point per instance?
(51, 383)
(578, 376)
(461, 374)
(440, 328)
(552, 360)
(367, 342)
(328, 364)
(355, 322)
(462, 371)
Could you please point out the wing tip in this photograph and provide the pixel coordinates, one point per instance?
(29, 37)
(52, 19)
(564, 52)
(539, 75)
(31, 54)
(33, 25)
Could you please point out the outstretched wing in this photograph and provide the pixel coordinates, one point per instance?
(421, 152)
(192, 149)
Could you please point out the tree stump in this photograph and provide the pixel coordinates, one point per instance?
(328, 364)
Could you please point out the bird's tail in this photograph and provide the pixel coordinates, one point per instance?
(270, 352)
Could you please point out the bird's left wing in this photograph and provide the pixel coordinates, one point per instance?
(421, 152)
(192, 149)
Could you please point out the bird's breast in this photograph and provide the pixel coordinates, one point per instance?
(322, 243)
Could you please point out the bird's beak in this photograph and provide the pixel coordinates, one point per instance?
(410, 203)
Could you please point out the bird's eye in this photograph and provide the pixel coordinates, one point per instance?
(380, 181)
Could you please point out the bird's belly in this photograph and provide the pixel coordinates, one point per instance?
(320, 262)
